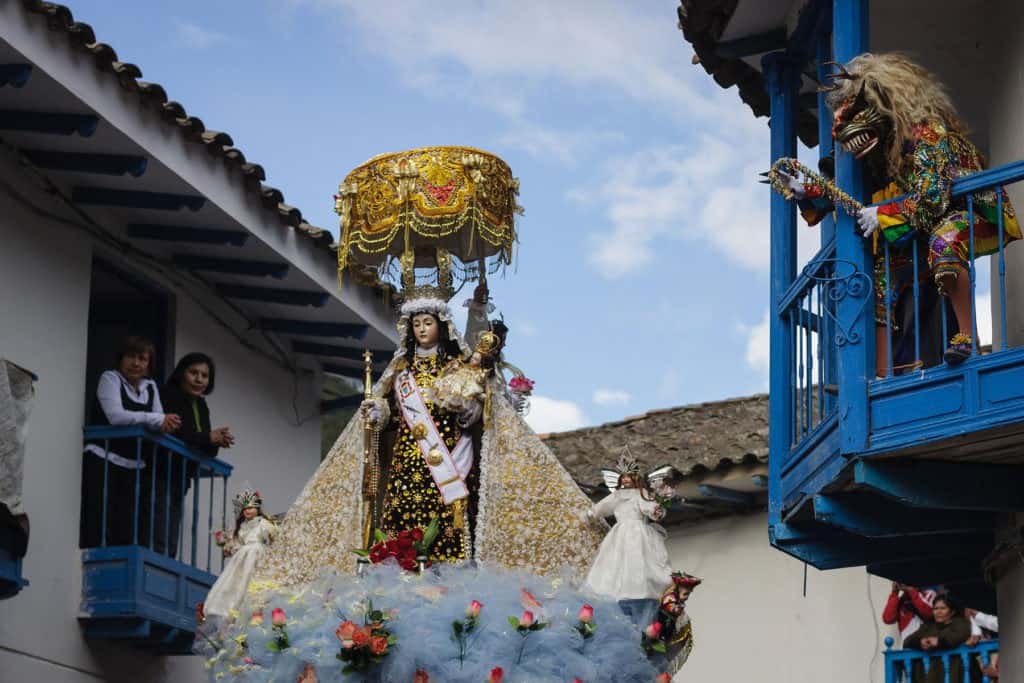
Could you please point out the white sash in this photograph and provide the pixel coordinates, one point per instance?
(448, 468)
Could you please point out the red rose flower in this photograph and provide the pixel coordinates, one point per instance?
(278, 617)
(378, 645)
(497, 673)
(420, 676)
(345, 632)
(654, 630)
(392, 547)
(663, 677)
(527, 619)
(361, 637)
(586, 614)
(417, 534)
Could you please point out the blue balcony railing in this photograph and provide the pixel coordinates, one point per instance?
(909, 666)
(149, 510)
(919, 397)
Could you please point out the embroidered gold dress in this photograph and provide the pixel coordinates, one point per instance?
(411, 498)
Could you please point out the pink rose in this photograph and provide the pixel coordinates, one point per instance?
(653, 631)
(586, 614)
(256, 619)
(473, 611)
(420, 676)
(278, 617)
(577, 680)
(344, 633)
(378, 645)
(361, 637)
(497, 673)
(663, 678)
(527, 619)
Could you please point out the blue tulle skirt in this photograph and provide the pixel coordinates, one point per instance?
(423, 608)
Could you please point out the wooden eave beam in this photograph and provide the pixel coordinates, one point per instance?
(835, 549)
(15, 75)
(272, 295)
(136, 199)
(333, 351)
(103, 164)
(186, 233)
(727, 495)
(50, 123)
(355, 331)
(877, 517)
(233, 266)
(945, 485)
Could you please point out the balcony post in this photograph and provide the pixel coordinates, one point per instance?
(782, 73)
(855, 310)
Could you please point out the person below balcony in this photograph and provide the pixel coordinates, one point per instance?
(949, 629)
(908, 607)
(111, 468)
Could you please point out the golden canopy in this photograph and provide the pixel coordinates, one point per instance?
(407, 206)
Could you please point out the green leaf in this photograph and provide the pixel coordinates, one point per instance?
(392, 639)
(538, 625)
(379, 536)
(349, 669)
(273, 646)
(457, 626)
(376, 615)
(514, 621)
(659, 647)
(361, 553)
(430, 534)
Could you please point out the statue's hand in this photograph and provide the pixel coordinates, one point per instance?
(371, 411)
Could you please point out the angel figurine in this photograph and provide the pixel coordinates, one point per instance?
(253, 533)
(632, 563)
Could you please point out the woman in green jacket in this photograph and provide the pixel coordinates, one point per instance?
(949, 629)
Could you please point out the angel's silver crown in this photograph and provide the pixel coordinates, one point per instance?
(627, 463)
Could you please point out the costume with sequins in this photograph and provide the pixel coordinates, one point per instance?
(411, 499)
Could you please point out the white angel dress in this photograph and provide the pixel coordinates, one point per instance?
(632, 562)
(230, 588)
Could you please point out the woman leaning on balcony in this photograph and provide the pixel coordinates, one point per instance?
(124, 396)
(949, 629)
(184, 394)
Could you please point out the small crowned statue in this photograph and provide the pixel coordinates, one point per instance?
(253, 533)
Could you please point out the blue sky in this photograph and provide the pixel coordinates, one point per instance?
(642, 273)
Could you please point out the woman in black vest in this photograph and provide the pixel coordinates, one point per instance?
(185, 394)
(125, 396)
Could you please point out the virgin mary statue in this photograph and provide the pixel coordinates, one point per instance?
(500, 496)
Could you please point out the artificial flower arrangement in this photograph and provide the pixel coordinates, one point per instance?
(585, 625)
(409, 547)
(362, 646)
(521, 384)
(462, 628)
(278, 621)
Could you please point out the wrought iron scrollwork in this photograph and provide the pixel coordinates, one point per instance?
(839, 279)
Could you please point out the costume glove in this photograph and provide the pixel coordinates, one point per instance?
(867, 220)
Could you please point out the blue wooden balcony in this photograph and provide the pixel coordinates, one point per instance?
(901, 664)
(142, 582)
(903, 472)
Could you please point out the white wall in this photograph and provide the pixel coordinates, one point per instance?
(44, 303)
(751, 621)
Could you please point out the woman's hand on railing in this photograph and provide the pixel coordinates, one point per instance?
(222, 436)
(171, 423)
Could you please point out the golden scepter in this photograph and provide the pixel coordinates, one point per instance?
(370, 464)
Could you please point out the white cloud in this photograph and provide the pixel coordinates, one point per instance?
(554, 415)
(564, 146)
(197, 37)
(608, 397)
(506, 46)
(704, 193)
(756, 351)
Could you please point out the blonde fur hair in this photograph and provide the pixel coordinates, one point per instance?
(904, 92)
